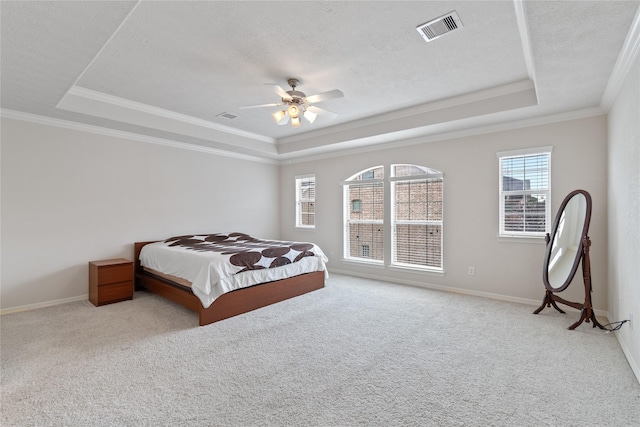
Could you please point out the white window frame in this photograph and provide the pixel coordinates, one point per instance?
(387, 224)
(301, 200)
(394, 222)
(502, 193)
(347, 222)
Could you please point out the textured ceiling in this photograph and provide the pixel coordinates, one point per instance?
(168, 69)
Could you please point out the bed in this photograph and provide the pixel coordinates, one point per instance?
(226, 274)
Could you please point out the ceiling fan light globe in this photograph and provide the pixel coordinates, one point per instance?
(284, 121)
(295, 122)
(294, 111)
(310, 116)
(279, 116)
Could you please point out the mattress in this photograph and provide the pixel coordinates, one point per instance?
(214, 264)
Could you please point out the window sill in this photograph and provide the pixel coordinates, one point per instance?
(305, 228)
(374, 264)
(396, 268)
(521, 239)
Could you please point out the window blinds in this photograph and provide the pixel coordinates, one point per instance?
(417, 222)
(524, 194)
(305, 201)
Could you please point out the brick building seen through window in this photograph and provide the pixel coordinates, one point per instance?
(306, 201)
(416, 207)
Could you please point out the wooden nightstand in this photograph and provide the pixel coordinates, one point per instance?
(110, 280)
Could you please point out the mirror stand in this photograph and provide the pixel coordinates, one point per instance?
(586, 310)
(586, 313)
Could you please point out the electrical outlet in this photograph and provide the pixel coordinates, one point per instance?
(472, 271)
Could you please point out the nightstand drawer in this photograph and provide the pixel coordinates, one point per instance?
(115, 292)
(115, 274)
(110, 280)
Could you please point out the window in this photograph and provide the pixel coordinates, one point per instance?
(415, 207)
(370, 174)
(306, 201)
(364, 216)
(365, 251)
(525, 192)
(416, 217)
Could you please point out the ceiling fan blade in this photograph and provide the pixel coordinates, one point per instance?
(260, 106)
(283, 93)
(325, 95)
(322, 111)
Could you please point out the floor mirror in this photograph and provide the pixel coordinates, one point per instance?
(567, 248)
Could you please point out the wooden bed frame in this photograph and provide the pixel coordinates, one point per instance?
(230, 304)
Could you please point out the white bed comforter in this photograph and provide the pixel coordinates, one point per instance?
(213, 270)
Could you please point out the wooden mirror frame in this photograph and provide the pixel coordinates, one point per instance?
(550, 239)
(586, 310)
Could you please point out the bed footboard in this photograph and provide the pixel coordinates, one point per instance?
(230, 304)
(258, 296)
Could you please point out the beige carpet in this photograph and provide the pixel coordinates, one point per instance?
(358, 352)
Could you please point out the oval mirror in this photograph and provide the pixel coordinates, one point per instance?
(564, 251)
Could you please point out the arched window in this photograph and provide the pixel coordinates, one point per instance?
(364, 215)
(415, 205)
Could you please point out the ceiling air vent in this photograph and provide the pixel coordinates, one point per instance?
(227, 115)
(440, 26)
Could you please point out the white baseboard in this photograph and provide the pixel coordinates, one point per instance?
(632, 363)
(489, 295)
(499, 297)
(43, 304)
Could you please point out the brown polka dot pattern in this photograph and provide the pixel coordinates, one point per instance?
(245, 251)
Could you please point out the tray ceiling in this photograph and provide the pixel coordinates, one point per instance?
(173, 70)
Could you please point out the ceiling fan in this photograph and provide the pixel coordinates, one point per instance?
(297, 104)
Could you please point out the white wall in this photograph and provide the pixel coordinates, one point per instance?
(470, 166)
(624, 213)
(70, 197)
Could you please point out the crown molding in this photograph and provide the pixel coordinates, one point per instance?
(97, 104)
(515, 88)
(625, 61)
(104, 98)
(452, 133)
(446, 134)
(67, 124)
(525, 38)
